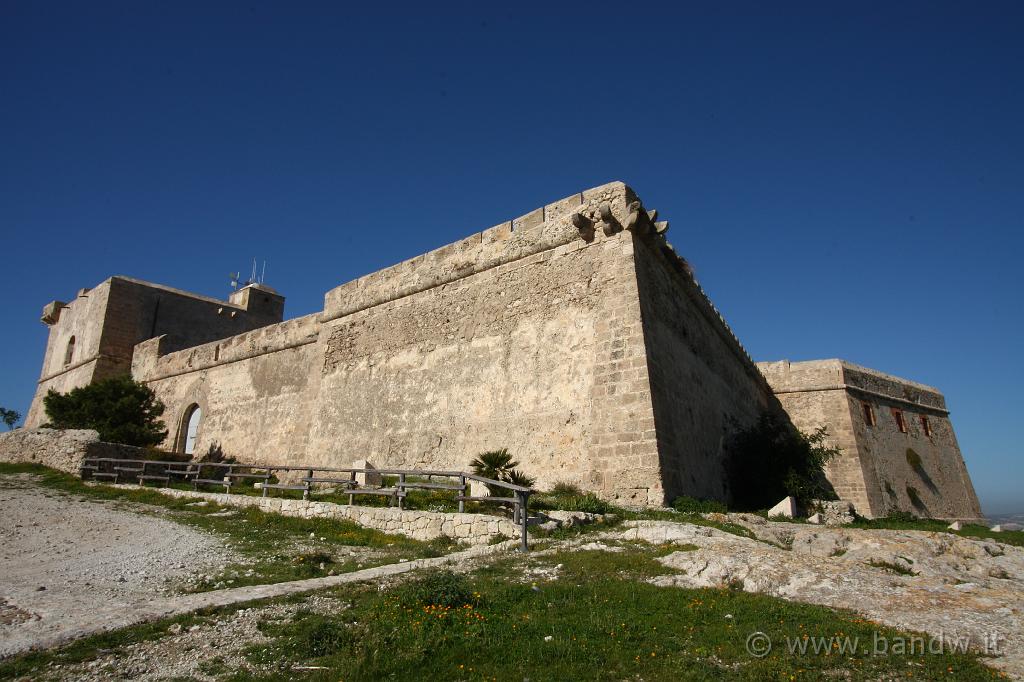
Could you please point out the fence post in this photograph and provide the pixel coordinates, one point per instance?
(462, 503)
(524, 517)
(400, 490)
(309, 484)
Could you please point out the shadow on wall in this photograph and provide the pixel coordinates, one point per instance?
(215, 454)
(914, 460)
(773, 459)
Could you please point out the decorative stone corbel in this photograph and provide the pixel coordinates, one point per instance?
(585, 226)
(609, 223)
(642, 222)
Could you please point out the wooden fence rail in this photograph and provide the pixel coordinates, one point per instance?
(347, 479)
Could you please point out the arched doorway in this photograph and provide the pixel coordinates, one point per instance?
(190, 428)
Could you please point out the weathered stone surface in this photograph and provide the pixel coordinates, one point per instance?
(833, 512)
(62, 450)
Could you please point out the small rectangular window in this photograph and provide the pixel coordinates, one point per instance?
(869, 414)
(900, 423)
(925, 426)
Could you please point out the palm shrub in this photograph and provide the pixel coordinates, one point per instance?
(498, 465)
(517, 477)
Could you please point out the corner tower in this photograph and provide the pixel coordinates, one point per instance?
(93, 336)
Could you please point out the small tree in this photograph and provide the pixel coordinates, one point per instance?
(121, 409)
(9, 417)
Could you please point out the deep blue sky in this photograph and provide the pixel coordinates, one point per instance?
(846, 178)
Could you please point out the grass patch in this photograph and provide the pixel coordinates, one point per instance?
(570, 615)
(694, 506)
(571, 499)
(589, 623)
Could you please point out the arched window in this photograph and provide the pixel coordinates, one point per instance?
(190, 429)
(69, 352)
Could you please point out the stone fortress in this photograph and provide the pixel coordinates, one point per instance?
(574, 335)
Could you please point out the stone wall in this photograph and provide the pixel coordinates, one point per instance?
(705, 387)
(57, 449)
(61, 449)
(81, 320)
(535, 335)
(574, 336)
(474, 529)
(882, 469)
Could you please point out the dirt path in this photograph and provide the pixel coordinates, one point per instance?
(67, 562)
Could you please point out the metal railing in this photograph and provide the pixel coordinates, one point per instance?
(265, 477)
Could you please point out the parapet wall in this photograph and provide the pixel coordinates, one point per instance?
(151, 361)
(539, 230)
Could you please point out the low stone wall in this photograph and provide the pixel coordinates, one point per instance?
(57, 449)
(61, 449)
(475, 529)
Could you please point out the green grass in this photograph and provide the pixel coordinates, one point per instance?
(976, 531)
(603, 624)
(261, 536)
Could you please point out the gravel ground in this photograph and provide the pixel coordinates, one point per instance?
(198, 652)
(66, 561)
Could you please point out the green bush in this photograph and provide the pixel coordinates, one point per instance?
(442, 588)
(589, 502)
(565, 490)
(690, 505)
(121, 409)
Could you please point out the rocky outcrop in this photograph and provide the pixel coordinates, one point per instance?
(939, 583)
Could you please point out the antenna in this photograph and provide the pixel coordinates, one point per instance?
(263, 275)
(252, 279)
